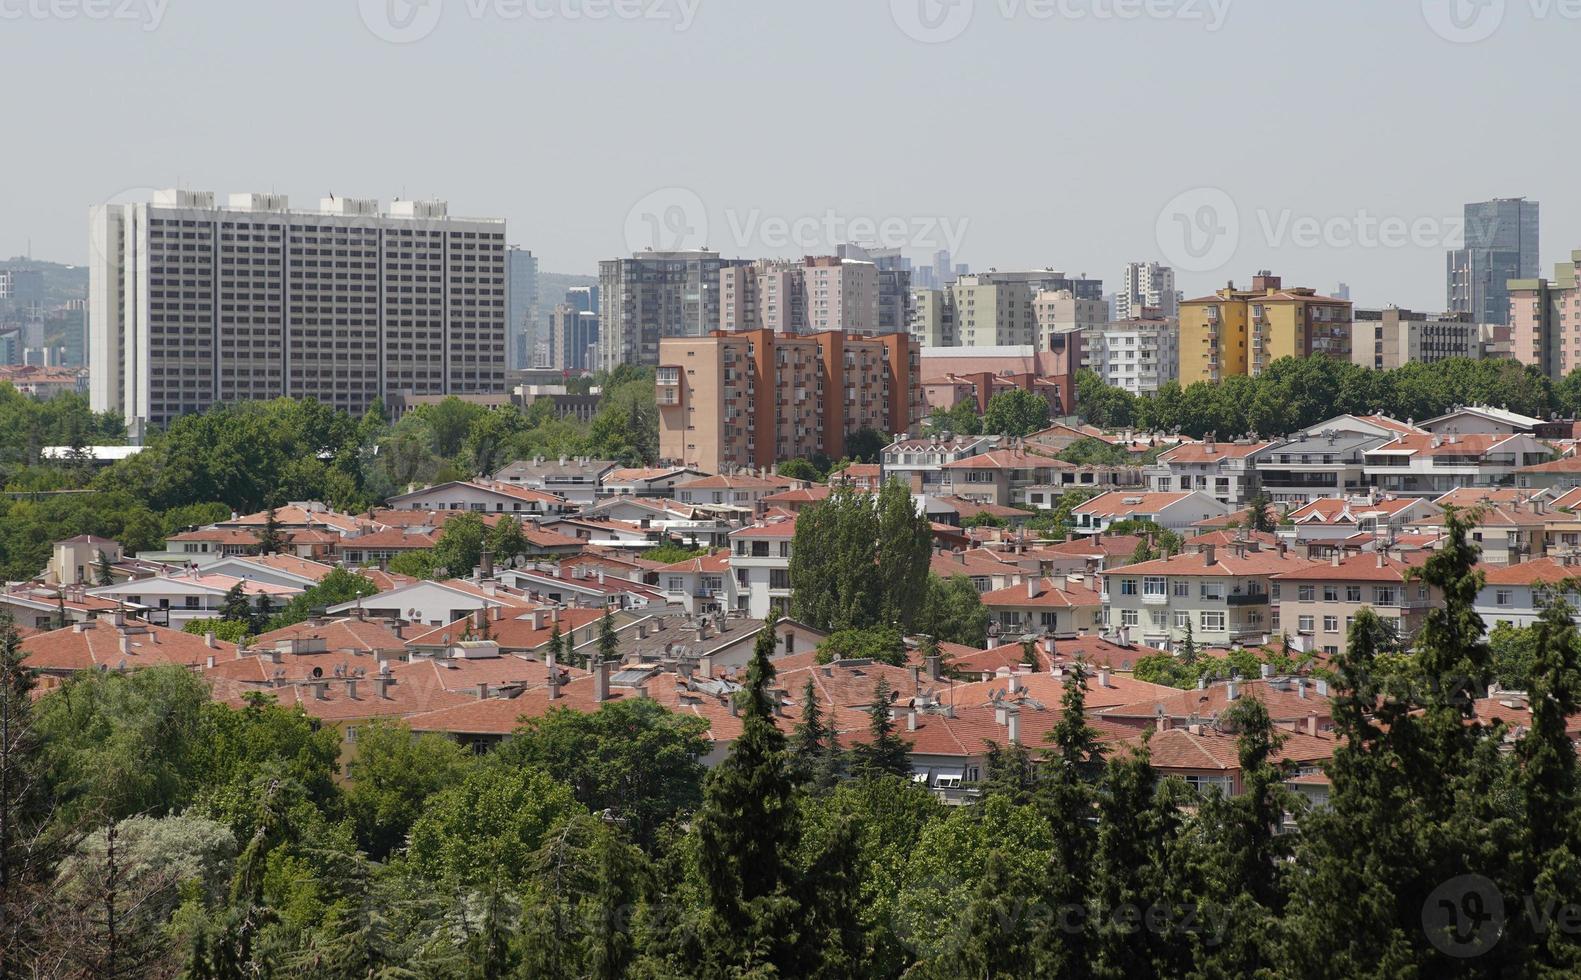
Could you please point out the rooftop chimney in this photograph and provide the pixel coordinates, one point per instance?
(933, 666)
(601, 682)
(351, 688)
(1013, 726)
(1232, 690)
(1209, 554)
(1032, 587)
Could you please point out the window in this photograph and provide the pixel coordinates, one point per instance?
(1352, 593)
(1182, 589)
(1158, 618)
(1304, 624)
(676, 583)
(1384, 595)
(1504, 597)
(1153, 585)
(1213, 622)
(1330, 593)
(1331, 624)
(1213, 591)
(1306, 593)
(1128, 617)
(1128, 586)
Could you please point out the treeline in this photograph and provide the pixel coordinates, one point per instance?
(243, 457)
(1298, 392)
(149, 832)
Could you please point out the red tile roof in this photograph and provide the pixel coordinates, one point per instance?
(100, 643)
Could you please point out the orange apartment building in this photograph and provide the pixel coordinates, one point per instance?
(756, 397)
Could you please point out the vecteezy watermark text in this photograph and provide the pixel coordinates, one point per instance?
(149, 14)
(937, 21)
(406, 21)
(676, 219)
(1201, 230)
(1470, 21)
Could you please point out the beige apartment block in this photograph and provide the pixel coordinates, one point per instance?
(1321, 601)
(811, 295)
(756, 398)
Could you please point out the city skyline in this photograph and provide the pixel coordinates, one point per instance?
(1073, 198)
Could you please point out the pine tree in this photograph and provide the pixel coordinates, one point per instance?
(608, 641)
(103, 574)
(884, 753)
(235, 605)
(748, 830)
(809, 741)
(271, 539)
(1548, 864)
(557, 647)
(1071, 766)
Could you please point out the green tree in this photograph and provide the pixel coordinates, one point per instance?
(103, 574)
(748, 830)
(487, 827)
(236, 607)
(961, 420)
(608, 640)
(460, 546)
(1016, 413)
(865, 445)
(271, 539)
(392, 777)
(507, 541)
(229, 630)
(882, 645)
(800, 469)
(337, 587)
(953, 612)
(1260, 513)
(632, 759)
(885, 753)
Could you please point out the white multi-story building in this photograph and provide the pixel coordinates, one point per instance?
(807, 296)
(193, 304)
(1062, 311)
(1137, 355)
(1148, 289)
(760, 560)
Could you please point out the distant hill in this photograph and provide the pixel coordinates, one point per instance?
(62, 283)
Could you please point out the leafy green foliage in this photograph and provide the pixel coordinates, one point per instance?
(881, 644)
(860, 560)
(1016, 413)
(632, 759)
(337, 587)
(953, 612)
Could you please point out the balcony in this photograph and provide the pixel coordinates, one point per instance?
(1247, 599)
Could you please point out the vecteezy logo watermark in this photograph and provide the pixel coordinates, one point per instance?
(1470, 21)
(406, 21)
(1463, 21)
(937, 21)
(1199, 229)
(147, 13)
(671, 219)
(1464, 916)
(675, 219)
(932, 21)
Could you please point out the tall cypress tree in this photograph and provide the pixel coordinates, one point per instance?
(809, 742)
(748, 830)
(1071, 765)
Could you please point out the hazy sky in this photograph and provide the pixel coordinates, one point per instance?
(1328, 139)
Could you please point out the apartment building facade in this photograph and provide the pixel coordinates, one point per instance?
(1223, 470)
(1321, 600)
(193, 304)
(1222, 595)
(1147, 289)
(1001, 309)
(654, 295)
(811, 295)
(1429, 464)
(573, 339)
(1390, 338)
(1544, 315)
(755, 398)
(1243, 331)
(1134, 354)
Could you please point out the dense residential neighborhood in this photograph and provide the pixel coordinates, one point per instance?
(616, 541)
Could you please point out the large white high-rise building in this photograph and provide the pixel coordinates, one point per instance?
(1148, 290)
(193, 304)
